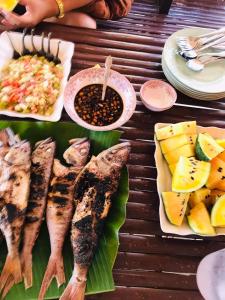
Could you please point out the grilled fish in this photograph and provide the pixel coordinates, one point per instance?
(7, 139)
(60, 208)
(41, 168)
(14, 193)
(94, 188)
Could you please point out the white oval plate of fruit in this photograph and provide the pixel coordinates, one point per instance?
(190, 162)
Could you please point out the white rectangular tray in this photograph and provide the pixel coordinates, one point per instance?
(65, 55)
(164, 180)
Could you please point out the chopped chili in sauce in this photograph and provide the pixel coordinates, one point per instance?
(97, 112)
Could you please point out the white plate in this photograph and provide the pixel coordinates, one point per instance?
(65, 55)
(210, 80)
(189, 92)
(186, 90)
(211, 276)
(164, 180)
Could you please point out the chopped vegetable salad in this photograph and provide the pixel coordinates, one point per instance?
(30, 84)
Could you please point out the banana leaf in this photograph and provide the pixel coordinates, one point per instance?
(100, 277)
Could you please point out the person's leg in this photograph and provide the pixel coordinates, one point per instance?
(108, 9)
(99, 9)
(76, 19)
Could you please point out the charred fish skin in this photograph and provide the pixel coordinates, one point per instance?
(15, 192)
(60, 208)
(41, 168)
(94, 189)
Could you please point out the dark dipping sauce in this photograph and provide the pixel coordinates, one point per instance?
(95, 111)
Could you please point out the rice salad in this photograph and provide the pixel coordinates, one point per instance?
(30, 84)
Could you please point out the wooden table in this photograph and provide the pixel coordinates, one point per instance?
(151, 265)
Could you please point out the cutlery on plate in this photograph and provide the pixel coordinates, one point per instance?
(219, 47)
(190, 54)
(196, 41)
(186, 43)
(216, 31)
(212, 54)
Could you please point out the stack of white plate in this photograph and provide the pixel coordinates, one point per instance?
(208, 84)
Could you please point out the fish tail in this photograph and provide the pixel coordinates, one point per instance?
(11, 272)
(26, 263)
(55, 268)
(75, 289)
(9, 284)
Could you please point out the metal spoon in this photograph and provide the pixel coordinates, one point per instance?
(25, 51)
(49, 55)
(56, 59)
(211, 276)
(42, 51)
(108, 64)
(34, 50)
(198, 65)
(212, 54)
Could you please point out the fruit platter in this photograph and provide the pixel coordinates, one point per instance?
(190, 162)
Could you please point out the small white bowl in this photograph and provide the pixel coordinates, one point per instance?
(116, 81)
(164, 97)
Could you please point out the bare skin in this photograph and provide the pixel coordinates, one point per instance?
(49, 9)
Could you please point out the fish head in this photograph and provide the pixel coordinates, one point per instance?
(115, 157)
(7, 137)
(44, 150)
(19, 154)
(77, 153)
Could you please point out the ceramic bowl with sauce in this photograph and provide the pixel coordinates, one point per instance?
(157, 95)
(82, 100)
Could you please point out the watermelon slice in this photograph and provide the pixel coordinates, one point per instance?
(201, 195)
(216, 178)
(199, 220)
(166, 132)
(172, 157)
(190, 175)
(175, 206)
(218, 212)
(206, 147)
(178, 141)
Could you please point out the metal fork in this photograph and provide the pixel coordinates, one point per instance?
(190, 54)
(194, 42)
(41, 52)
(25, 51)
(198, 64)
